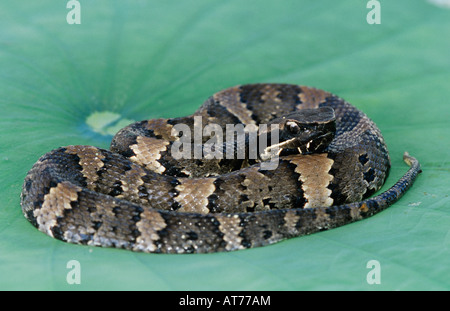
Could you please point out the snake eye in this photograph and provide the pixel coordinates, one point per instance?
(292, 127)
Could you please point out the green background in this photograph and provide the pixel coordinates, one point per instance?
(64, 84)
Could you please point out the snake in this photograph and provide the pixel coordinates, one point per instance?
(162, 187)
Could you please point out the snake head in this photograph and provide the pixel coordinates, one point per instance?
(303, 131)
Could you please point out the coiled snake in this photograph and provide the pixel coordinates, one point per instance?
(139, 196)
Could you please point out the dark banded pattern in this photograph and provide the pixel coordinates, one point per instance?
(136, 196)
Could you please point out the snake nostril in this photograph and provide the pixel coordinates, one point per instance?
(292, 127)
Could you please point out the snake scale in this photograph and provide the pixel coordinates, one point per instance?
(137, 196)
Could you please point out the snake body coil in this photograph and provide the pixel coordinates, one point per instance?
(137, 196)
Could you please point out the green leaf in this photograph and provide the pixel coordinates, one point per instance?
(106, 122)
(64, 84)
